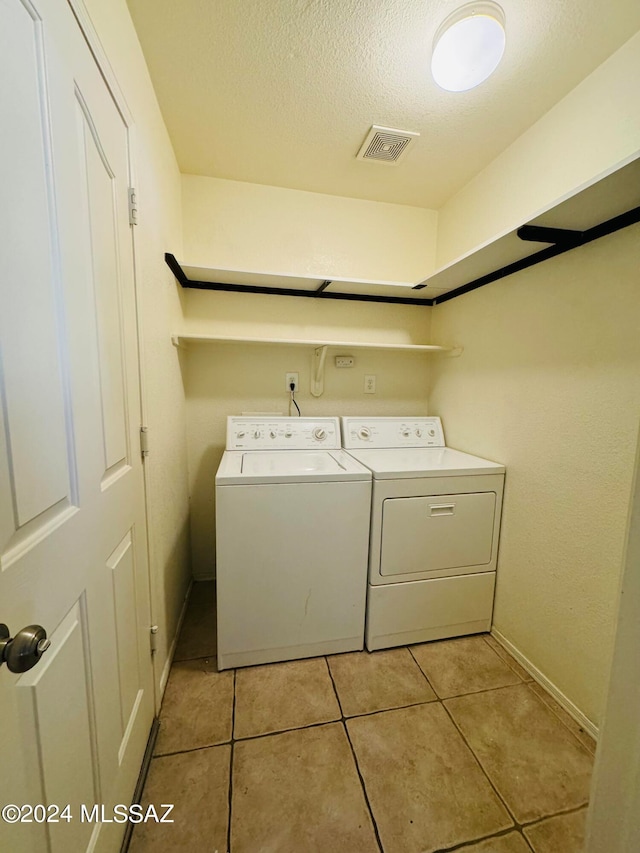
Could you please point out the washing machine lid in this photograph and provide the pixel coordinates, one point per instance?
(288, 466)
(404, 462)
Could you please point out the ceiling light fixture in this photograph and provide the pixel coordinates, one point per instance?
(468, 46)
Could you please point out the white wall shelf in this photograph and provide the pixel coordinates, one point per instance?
(282, 284)
(319, 349)
(595, 210)
(185, 340)
(601, 207)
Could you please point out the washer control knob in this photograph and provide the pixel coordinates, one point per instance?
(288, 434)
(256, 433)
(364, 433)
(418, 432)
(241, 433)
(319, 434)
(272, 434)
(432, 432)
(405, 432)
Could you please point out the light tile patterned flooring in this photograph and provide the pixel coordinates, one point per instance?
(436, 747)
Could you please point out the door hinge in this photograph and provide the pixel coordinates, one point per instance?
(133, 206)
(153, 638)
(144, 441)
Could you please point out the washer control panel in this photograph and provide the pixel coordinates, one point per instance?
(247, 433)
(392, 432)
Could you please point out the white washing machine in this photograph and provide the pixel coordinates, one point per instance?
(292, 538)
(435, 525)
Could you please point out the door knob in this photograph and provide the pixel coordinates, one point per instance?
(25, 649)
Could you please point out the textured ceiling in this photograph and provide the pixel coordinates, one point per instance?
(283, 92)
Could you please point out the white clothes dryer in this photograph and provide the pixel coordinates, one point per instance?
(435, 525)
(292, 535)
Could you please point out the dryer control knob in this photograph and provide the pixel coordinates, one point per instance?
(418, 432)
(319, 434)
(432, 432)
(364, 433)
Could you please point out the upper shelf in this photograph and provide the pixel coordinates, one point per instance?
(242, 281)
(608, 205)
(605, 206)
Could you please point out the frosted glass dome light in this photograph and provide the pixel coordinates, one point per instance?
(468, 46)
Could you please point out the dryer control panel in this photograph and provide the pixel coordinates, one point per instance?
(250, 433)
(391, 432)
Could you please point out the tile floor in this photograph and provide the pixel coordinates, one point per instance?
(436, 747)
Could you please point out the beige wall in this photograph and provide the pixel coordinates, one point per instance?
(230, 224)
(210, 313)
(226, 379)
(549, 384)
(614, 816)
(159, 231)
(595, 128)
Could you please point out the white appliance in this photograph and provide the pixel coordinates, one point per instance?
(292, 538)
(435, 524)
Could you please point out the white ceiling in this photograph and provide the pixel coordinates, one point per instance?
(283, 92)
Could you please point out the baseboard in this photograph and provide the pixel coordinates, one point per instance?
(142, 778)
(549, 686)
(172, 648)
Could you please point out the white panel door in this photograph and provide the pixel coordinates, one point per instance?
(72, 527)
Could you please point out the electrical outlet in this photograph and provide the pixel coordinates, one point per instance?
(291, 378)
(370, 383)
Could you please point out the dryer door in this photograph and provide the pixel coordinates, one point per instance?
(435, 533)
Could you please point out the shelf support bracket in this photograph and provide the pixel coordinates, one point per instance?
(317, 371)
(558, 236)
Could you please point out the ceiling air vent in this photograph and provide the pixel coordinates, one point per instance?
(385, 145)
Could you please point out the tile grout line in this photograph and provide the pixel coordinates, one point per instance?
(561, 813)
(483, 771)
(483, 690)
(193, 749)
(424, 674)
(472, 692)
(286, 731)
(466, 845)
(355, 760)
(233, 725)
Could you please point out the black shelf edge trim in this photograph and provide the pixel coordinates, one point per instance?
(617, 223)
(321, 292)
